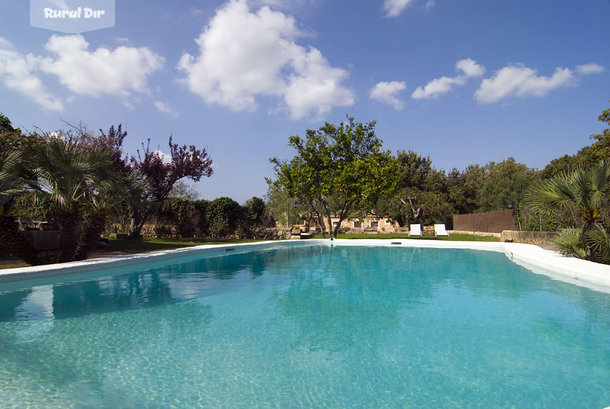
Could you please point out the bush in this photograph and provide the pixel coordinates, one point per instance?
(189, 216)
(223, 216)
(27, 205)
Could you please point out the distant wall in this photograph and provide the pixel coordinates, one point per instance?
(492, 222)
(535, 237)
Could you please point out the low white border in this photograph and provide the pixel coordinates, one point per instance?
(538, 260)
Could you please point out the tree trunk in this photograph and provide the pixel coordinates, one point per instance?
(322, 225)
(68, 224)
(15, 244)
(138, 219)
(336, 229)
(91, 232)
(319, 218)
(330, 225)
(416, 212)
(136, 223)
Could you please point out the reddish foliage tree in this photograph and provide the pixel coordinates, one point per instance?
(160, 176)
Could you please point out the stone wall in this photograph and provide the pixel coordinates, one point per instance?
(533, 237)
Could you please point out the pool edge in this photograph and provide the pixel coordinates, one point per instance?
(540, 261)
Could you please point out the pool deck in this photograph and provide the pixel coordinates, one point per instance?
(538, 260)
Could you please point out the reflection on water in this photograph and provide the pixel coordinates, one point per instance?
(142, 288)
(304, 325)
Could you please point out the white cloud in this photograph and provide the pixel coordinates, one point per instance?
(17, 72)
(121, 71)
(315, 87)
(591, 68)
(244, 55)
(165, 108)
(439, 86)
(393, 8)
(521, 81)
(166, 158)
(386, 92)
(470, 68)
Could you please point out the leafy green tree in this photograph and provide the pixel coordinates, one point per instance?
(285, 209)
(599, 150)
(421, 190)
(464, 188)
(12, 183)
(183, 191)
(337, 170)
(583, 192)
(253, 217)
(254, 210)
(503, 182)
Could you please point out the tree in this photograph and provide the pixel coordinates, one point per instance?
(422, 190)
(586, 193)
(464, 188)
(254, 210)
(503, 182)
(102, 202)
(285, 209)
(74, 175)
(159, 177)
(337, 170)
(11, 183)
(183, 191)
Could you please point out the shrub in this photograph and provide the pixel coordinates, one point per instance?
(223, 215)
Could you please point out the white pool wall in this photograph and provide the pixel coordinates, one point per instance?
(538, 260)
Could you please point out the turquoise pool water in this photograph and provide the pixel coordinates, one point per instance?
(307, 327)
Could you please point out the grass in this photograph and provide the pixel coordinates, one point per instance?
(13, 265)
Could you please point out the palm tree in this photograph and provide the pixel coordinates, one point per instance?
(12, 181)
(97, 206)
(72, 174)
(584, 193)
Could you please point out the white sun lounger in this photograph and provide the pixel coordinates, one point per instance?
(415, 230)
(439, 230)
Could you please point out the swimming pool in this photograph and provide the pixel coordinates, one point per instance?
(306, 326)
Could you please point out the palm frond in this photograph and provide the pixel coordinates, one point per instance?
(598, 240)
(71, 173)
(600, 182)
(549, 195)
(570, 243)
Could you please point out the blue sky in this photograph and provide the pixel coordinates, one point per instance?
(462, 81)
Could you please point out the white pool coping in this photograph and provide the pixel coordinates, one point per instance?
(538, 260)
